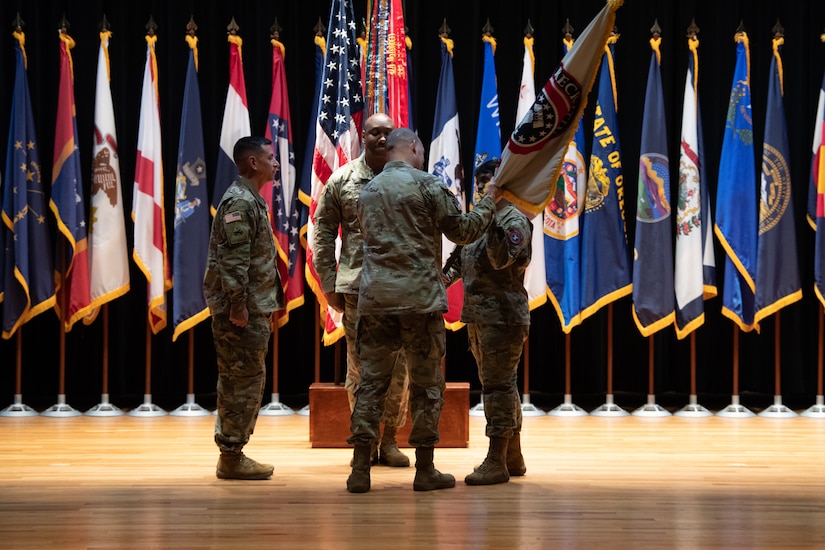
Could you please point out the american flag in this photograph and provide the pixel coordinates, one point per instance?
(337, 132)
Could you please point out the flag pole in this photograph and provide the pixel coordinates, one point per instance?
(735, 410)
(651, 408)
(61, 408)
(568, 408)
(527, 408)
(18, 408)
(190, 408)
(104, 408)
(316, 351)
(147, 408)
(275, 407)
(609, 408)
(817, 410)
(777, 410)
(693, 408)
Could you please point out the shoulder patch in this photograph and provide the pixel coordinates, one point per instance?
(232, 217)
(515, 236)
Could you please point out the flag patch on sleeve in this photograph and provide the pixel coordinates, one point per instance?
(515, 236)
(232, 217)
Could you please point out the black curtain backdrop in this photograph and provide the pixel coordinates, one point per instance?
(804, 62)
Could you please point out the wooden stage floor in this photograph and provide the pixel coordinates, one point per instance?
(592, 482)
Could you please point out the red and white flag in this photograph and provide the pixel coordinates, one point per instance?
(147, 199)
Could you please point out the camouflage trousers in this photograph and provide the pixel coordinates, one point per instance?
(241, 354)
(497, 350)
(398, 393)
(380, 338)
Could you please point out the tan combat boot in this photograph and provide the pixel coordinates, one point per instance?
(427, 478)
(236, 465)
(388, 451)
(494, 468)
(515, 460)
(359, 479)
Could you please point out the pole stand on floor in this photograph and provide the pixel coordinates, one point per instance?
(190, 408)
(104, 408)
(18, 408)
(816, 410)
(651, 409)
(735, 410)
(275, 407)
(147, 408)
(568, 408)
(693, 409)
(778, 410)
(609, 409)
(61, 409)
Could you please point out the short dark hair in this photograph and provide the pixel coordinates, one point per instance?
(248, 145)
(487, 168)
(399, 136)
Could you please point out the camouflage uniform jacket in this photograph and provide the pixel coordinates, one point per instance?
(337, 206)
(403, 213)
(492, 270)
(241, 264)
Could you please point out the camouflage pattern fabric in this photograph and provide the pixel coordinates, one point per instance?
(497, 350)
(241, 261)
(337, 207)
(241, 354)
(421, 337)
(395, 408)
(403, 213)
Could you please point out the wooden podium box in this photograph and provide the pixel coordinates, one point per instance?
(329, 416)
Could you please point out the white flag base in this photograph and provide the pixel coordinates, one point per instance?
(735, 410)
(478, 409)
(528, 409)
(275, 408)
(817, 410)
(693, 409)
(568, 408)
(651, 409)
(104, 408)
(61, 409)
(778, 410)
(147, 408)
(304, 411)
(190, 408)
(18, 408)
(609, 409)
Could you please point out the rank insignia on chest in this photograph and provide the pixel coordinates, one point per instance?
(232, 217)
(515, 237)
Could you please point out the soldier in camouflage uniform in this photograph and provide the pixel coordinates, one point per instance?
(340, 278)
(403, 212)
(497, 316)
(242, 289)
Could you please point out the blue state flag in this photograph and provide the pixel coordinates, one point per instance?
(488, 133)
(27, 287)
(191, 210)
(605, 262)
(736, 198)
(653, 292)
(777, 266)
(305, 177)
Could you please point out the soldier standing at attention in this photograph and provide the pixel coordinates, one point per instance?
(242, 289)
(403, 212)
(497, 315)
(337, 211)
